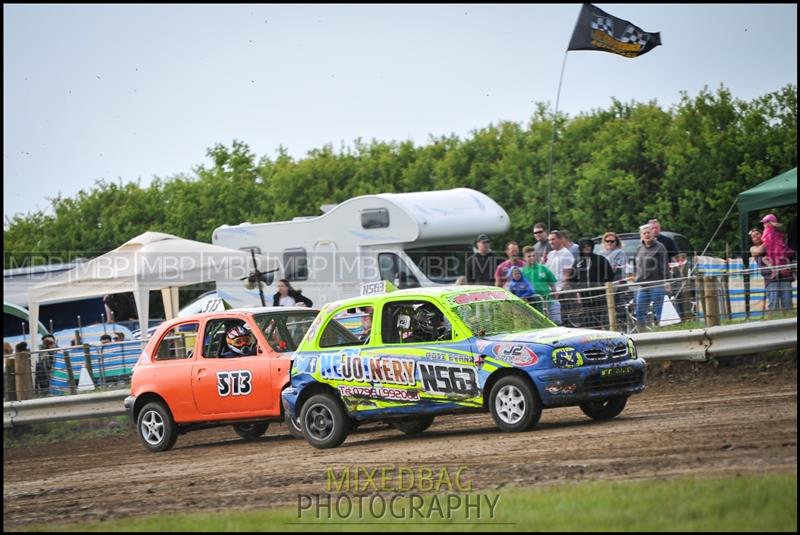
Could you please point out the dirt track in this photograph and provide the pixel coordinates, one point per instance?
(706, 422)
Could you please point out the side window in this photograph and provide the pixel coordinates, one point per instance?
(375, 218)
(228, 338)
(413, 322)
(349, 327)
(295, 264)
(178, 342)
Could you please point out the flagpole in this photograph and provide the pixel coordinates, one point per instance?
(552, 145)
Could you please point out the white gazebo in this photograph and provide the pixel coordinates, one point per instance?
(150, 261)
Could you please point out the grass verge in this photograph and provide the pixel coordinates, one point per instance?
(736, 503)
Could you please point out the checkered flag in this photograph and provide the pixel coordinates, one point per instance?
(595, 31)
(632, 35)
(604, 24)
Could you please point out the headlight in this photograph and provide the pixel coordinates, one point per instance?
(567, 357)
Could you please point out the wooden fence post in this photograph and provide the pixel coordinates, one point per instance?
(700, 295)
(712, 301)
(23, 378)
(612, 309)
(10, 379)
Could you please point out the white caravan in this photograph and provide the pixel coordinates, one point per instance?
(410, 239)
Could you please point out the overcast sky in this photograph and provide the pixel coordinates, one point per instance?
(131, 92)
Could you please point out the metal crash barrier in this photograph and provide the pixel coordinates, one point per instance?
(693, 345)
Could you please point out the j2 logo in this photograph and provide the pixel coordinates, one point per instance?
(236, 383)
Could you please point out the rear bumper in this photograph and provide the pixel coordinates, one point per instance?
(129, 404)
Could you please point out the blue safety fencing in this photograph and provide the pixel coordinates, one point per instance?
(110, 362)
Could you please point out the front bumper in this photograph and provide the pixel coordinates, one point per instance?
(560, 386)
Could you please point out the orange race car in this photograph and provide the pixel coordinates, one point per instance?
(213, 369)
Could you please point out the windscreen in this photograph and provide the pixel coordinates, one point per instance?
(496, 317)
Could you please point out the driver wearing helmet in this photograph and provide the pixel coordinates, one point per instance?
(239, 342)
(428, 325)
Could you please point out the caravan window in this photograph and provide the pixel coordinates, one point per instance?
(394, 269)
(442, 264)
(295, 264)
(375, 218)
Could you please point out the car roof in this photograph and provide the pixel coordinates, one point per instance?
(427, 291)
(245, 311)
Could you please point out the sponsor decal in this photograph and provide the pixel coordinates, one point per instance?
(561, 388)
(462, 359)
(610, 372)
(593, 337)
(482, 344)
(448, 379)
(516, 354)
(567, 357)
(349, 366)
(631, 349)
(475, 297)
(235, 383)
(394, 394)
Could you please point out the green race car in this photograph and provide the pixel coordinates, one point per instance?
(428, 351)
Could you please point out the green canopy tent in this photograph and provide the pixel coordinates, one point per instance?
(775, 192)
(20, 313)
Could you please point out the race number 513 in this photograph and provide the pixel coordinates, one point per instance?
(236, 383)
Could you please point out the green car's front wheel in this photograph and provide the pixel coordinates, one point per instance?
(514, 404)
(324, 421)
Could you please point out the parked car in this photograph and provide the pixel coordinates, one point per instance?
(432, 351)
(683, 291)
(630, 242)
(193, 375)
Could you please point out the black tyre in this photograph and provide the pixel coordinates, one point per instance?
(604, 409)
(324, 421)
(251, 431)
(514, 404)
(156, 428)
(294, 427)
(411, 426)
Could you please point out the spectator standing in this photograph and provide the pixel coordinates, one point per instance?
(512, 260)
(651, 267)
(518, 284)
(286, 296)
(569, 245)
(559, 262)
(481, 265)
(44, 364)
(666, 241)
(592, 270)
(777, 254)
(542, 246)
(612, 251)
(758, 251)
(541, 278)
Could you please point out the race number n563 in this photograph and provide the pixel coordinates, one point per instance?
(446, 379)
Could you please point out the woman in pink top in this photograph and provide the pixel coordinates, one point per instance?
(777, 254)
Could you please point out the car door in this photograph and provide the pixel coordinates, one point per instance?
(233, 386)
(445, 369)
